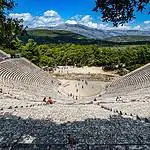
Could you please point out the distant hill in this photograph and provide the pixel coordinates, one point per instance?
(55, 34)
(97, 33)
(63, 35)
(131, 38)
(46, 36)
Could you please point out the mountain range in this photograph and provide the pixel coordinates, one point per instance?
(97, 33)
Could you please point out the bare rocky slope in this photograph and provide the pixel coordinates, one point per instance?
(97, 33)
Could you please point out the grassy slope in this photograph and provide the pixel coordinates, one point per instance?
(129, 38)
(44, 36)
(55, 33)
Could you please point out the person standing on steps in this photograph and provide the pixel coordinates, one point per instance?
(44, 100)
(50, 101)
(117, 99)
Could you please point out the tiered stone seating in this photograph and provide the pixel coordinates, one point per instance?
(54, 130)
(26, 81)
(3, 55)
(24, 117)
(22, 78)
(23, 71)
(137, 79)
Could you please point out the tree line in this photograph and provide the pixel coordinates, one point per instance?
(111, 58)
(74, 54)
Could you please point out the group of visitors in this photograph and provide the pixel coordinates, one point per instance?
(49, 100)
(73, 96)
(118, 99)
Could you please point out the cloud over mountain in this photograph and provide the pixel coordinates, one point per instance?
(25, 16)
(51, 18)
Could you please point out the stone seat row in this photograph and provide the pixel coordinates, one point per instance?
(21, 77)
(11, 70)
(137, 79)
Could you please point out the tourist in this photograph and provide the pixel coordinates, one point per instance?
(120, 98)
(117, 98)
(95, 99)
(86, 82)
(76, 97)
(50, 101)
(44, 100)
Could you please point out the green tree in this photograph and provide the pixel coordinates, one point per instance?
(31, 52)
(10, 28)
(46, 61)
(120, 11)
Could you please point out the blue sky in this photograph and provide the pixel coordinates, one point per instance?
(54, 12)
(66, 8)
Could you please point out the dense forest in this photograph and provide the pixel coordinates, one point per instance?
(111, 58)
(52, 48)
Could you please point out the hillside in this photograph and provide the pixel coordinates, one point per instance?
(46, 36)
(131, 38)
(98, 33)
(55, 33)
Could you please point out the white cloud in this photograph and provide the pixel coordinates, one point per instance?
(86, 19)
(91, 24)
(138, 27)
(104, 26)
(24, 16)
(49, 18)
(52, 18)
(51, 13)
(123, 27)
(76, 17)
(147, 22)
(71, 22)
